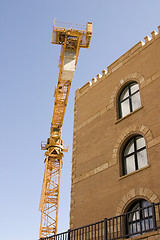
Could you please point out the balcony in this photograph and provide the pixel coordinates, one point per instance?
(128, 225)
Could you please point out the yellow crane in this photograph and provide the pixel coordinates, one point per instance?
(71, 40)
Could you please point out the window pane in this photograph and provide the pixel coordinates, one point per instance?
(134, 88)
(144, 225)
(142, 159)
(151, 222)
(140, 142)
(130, 164)
(136, 101)
(125, 109)
(129, 148)
(145, 204)
(134, 229)
(124, 94)
(135, 216)
(148, 209)
(147, 224)
(147, 212)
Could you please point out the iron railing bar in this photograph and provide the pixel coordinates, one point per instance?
(120, 227)
(117, 227)
(110, 228)
(113, 227)
(86, 233)
(105, 229)
(154, 217)
(82, 233)
(136, 222)
(69, 231)
(158, 215)
(92, 231)
(128, 226)
(101, 230)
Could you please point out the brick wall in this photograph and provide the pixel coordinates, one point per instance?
(98, 188)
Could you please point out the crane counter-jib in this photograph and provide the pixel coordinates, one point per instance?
(71, 40)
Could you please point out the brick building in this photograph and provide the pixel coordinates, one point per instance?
(116, 146)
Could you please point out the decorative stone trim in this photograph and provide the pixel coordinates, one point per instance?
(91, 172)
(81, 91)
(72, 204)
(132, 173)
(147, 39)
(149, 80)
(113, 100)
(140, 46)
(129, 114)
(132, 195)
(90, 119)
(154, 142)
(130, 77)
(134, 129)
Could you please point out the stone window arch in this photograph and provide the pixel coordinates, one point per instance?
(138, 217)
(134, 155)
(131, 77)
(134, 194)
(124, 137)
(129, 99)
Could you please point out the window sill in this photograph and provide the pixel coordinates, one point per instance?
(145, 235)
(119, 120)
(129, 174)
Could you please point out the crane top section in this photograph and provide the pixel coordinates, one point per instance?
(60, 33)
(71, 40)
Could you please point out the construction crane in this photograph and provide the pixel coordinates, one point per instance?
(71, 40)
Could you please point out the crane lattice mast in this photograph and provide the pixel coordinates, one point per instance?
(71, 40)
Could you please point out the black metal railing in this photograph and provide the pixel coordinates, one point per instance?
(129, 224)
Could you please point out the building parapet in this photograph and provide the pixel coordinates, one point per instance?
(119, 62)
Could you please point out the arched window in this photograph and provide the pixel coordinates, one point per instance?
(129, 99)
(139, 218)
(134, 155)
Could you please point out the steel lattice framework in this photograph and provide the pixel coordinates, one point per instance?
(71, 40)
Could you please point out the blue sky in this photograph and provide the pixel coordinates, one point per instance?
(28, 75)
